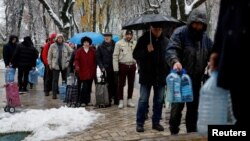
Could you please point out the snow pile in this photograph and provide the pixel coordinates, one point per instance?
(2, 66)
(48, 124)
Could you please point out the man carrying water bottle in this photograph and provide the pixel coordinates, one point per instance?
(189, 48)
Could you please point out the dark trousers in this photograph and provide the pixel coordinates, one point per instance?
(143, 104)
(55, 80)
(84, 90)
(112, 86)
(239, 103)
(48, 79)
(129, 72)
(191, 114)
(23, 77)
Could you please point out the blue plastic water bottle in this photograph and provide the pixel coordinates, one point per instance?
(174, 87)
(186, 87)
(10, 75)
(62, 90)
(33, 76)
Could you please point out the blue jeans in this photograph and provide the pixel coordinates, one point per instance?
(143, 104)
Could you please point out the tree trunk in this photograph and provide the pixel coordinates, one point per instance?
(45, 24)
(94, 16)
(108, 17)
(181, 4)
(31, 20)
(174, 9)
(197, 4)
(20, 16)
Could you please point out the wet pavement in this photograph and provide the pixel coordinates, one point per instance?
(115, 125)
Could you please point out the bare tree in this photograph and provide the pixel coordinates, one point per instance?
(63, 23)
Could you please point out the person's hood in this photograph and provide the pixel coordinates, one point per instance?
(12, 37)
(27, 41)
(52, 37)
(197, 15)
(59, 35)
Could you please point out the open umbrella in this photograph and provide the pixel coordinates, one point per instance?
(97, 38)
(115, 37)
(144, 21)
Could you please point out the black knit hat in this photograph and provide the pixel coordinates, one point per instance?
(107, 34)
(129, 32)
(86, 39)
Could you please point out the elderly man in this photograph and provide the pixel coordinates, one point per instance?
(149, 52)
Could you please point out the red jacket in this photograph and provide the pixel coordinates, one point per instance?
(46, 48)
(85, 63)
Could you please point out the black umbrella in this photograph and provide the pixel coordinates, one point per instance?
(144, 21)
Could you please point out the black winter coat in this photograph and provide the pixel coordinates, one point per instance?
(25, 56)
(8, 50)
(153, 68)
(104, 55)
(193, 55)
(232, 42)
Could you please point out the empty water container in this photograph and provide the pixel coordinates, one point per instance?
(174, 87)
(10, 74)
(62, 90)
(186, 87)
(213, 105)
(33, 76)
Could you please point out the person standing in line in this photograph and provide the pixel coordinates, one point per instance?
(58, 60)
(85, 67)
(25, 58)
(9, 49)
(189, 48)
(125, 66)
(150, 53)
(230, 55)
(104, 57)
(48, 73)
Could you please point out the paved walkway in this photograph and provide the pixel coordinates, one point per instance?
(115, 124)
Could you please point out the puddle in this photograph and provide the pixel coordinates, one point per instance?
(16, 136)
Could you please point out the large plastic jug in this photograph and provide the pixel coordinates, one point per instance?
(62, 90)
(10, 74)
(214, 105)
(186, 87)
(40, 67)
(173, 87)
(33, 76)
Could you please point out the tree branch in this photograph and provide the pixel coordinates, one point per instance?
(52, 14)
(198, 3)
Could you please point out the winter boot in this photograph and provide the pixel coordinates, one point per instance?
(130, 103)
(54, 96)
(120, 104)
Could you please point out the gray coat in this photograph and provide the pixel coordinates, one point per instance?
(54, 54)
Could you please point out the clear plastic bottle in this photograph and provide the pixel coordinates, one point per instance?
(213, 105)
(10, 74)
(186, 87)
(62, 90)
(174, 87)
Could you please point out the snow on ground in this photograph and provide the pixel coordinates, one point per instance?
(2, 66)
(48, 124)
